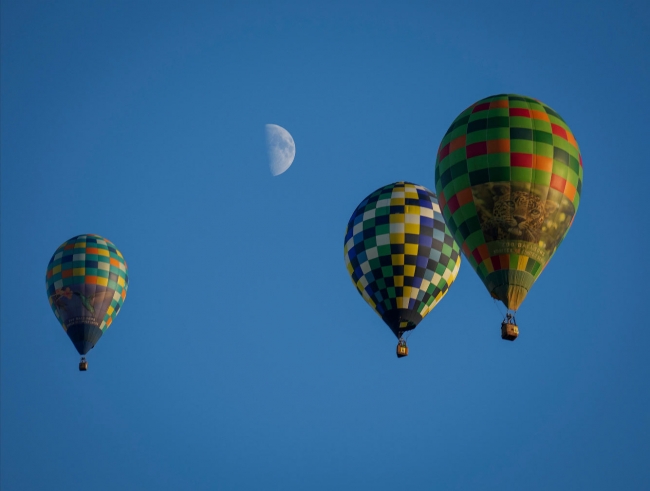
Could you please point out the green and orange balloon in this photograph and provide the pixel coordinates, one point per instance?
(509, 179)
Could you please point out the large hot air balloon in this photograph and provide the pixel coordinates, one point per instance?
(400, 255)
(509, 177)
(86, 284)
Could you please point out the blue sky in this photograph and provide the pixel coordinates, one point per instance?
(243, 357)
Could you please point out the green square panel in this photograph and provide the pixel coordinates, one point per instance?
(476, 163)
(383, 250)
(382, 229)
(520, 122)
(518, 104)
(498, 134)
(479, 176)
(559, 169)
(470, 209)
(498, 112)
(456, 156)
(461, 182)
(499, 174)
(475, 239)
(458, 169)
(514, 259)
(499, 122)
(475, 137)
(521, 134)
(477, 115)
(543, 137)
(521, 146)
(543, 149)
(540, 125)
(473, 223)
(571, 177)
(521, 174)
(370, 241)
(499, 160)
(541, 177)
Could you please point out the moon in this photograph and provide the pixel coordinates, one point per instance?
(280, 147)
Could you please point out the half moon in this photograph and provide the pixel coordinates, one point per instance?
(280, 147)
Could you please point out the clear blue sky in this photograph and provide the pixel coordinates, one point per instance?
(243, 357)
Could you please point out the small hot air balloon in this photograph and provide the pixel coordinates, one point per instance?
(509, 178)
(86, 283)
(400, 255)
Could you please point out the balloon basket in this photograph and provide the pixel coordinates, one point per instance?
(402, 349)
(509, 331)
(83, 365)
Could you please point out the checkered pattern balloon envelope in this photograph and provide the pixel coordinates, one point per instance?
(86, 283)
(400, 255)
(509, 179)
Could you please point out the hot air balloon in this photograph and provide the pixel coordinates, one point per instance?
(509, 178)
(400, 255)
(86, 283)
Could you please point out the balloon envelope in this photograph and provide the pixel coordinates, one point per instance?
(509, 178)
(86, 283)
(400, 255)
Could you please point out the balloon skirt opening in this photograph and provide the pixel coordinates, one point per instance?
(511, 295)
(84, 337)
(511, 287)
(401, 320)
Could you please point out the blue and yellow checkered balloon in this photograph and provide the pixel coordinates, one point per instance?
(400, 254)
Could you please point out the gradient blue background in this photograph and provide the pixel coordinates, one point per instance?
(244, 358)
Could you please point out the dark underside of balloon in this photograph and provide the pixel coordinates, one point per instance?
(84, 337)
(401, 320)
(511, 287)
